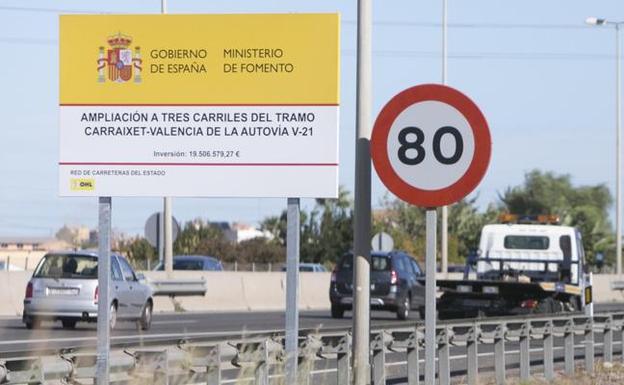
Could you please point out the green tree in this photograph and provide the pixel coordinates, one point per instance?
(406, 224)
(465, 224)
(326, 231)
(260, 250)
(193, 234)
(139, 251)
(203, 238)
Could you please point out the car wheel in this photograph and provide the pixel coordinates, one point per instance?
(113, 315)
(68, 324)
(145, 322)
(404, 308)
(337, 311)
(32, 323)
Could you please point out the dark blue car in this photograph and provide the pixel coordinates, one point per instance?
(394, 284)
(193, 262)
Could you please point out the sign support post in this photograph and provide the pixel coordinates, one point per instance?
(103, 319)
(362, 204)
(430, 297)
(168, 244)
(292, 289)
(168, 237)
(160, 230)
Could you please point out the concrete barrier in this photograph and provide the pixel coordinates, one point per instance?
(247, 291)
(12, 289)
(242, 291)
(314, 291)
(602, 289)
(225, 292)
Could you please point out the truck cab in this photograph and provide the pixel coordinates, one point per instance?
(539, 252)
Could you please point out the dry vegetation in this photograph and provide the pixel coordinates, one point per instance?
(605, 374)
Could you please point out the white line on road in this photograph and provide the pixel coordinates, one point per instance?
(174, 322)
(141, 336)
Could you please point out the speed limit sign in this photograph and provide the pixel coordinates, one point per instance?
(431, 145)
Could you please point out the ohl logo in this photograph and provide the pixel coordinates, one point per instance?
(82, 184)
(120, 60)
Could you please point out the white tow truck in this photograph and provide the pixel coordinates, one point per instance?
(524, 265)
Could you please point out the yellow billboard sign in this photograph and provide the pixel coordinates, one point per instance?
(203, 59)
(199, 105)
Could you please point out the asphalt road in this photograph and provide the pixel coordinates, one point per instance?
(15, 337)
(218, 326)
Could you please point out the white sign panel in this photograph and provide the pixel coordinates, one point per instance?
(200, 151)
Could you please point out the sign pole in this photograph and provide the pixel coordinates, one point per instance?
(168, 237)
(362, 204)
(430, 297)
(160, 230)
(103, 319)
(167, 226)
(292, 289)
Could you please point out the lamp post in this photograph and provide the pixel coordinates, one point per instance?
(618, 120)
(444, 238)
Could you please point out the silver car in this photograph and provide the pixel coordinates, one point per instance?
(64, 287)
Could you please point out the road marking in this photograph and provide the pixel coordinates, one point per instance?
(142, 336)
(174, 322)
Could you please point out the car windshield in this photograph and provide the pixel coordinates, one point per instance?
(187, 264)
(526, 242)
(67, 266)
(378, 263)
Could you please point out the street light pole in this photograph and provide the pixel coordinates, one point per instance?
(618, 119)
(618, 147)
(444, 238)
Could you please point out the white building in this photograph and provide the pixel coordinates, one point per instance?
(239, 232)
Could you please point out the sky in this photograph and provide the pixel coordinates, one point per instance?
(544, 80)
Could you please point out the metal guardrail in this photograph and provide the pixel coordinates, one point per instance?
(178, 287)
(617, 285)
(205, 362)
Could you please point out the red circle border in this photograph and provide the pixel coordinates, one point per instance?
(477, 168)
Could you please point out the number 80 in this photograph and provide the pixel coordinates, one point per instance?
(437, 145)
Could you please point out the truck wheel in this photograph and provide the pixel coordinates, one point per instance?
(337, 311)
(32, 323)
(549, 306)
(69, 324)
(573, 304)
(403, 308)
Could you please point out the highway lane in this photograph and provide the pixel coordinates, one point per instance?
(15, 337)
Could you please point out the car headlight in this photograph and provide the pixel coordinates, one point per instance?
(490, 289)
(464, 288)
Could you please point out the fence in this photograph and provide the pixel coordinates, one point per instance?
(260, 360)
(15, 264)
